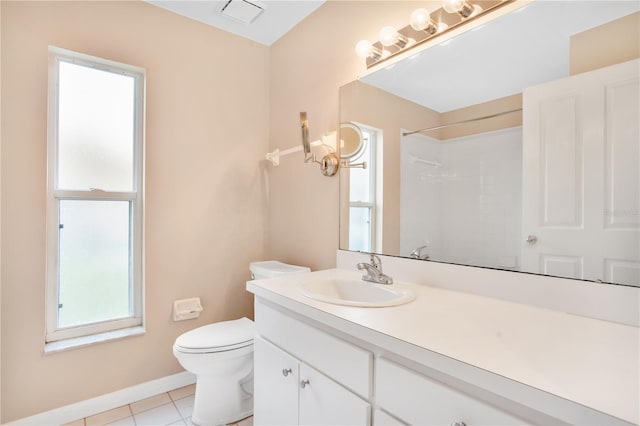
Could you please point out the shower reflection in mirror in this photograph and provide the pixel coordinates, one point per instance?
(479, 173)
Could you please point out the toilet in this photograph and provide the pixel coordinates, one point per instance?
(221, 357)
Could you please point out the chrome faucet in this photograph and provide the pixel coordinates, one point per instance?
(374, 271)
(417, 253)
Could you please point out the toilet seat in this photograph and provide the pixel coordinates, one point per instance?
(217, 337)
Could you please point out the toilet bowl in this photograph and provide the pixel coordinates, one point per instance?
(221, 357)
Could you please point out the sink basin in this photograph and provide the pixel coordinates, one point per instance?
(355, 293)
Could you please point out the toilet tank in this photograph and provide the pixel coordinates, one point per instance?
(273, 268)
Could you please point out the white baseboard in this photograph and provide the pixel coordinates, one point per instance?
(108, 401)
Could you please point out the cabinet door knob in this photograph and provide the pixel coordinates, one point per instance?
(286, 372)
(458, 423)
(304, 383)
(531, 239)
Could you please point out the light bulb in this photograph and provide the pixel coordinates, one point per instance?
(388, 36)
(365, 49)
(420, 19)
(452, 6)
(461, 7)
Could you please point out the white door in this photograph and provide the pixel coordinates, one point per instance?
(581, 179)
(324, 402)
(275, 385)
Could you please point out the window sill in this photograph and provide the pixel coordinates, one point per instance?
(76, 342)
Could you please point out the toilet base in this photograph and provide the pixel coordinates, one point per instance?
(220, 402)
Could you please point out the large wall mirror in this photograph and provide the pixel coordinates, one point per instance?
(511, 146)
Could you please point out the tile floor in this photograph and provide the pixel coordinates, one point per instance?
(171, 408)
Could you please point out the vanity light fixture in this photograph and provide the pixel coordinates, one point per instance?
(423, 26)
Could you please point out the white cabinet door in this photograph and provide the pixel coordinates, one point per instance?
(420, 400)
(275, 385)
(288, 392)
(324, 402)
(581, 178)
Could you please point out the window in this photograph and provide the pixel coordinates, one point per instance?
(94, 197)
(362, 196)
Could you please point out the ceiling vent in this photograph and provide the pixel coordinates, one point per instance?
(242, 10)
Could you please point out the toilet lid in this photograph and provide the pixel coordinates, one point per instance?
(220, 336)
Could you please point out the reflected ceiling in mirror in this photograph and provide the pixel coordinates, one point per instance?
(524, 48)
(487, 193)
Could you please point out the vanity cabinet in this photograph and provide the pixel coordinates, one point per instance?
(418, 364)
(303, 375)
(418, 399)
(289, 392)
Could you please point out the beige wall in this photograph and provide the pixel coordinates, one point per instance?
(612, 43)
(308, 65)
(207, 121)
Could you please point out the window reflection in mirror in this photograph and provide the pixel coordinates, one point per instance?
(363, 195)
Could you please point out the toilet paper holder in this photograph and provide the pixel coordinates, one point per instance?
(185, 309)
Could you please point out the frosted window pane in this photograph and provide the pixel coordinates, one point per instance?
(360, 228)
(95, 129)
(94, 262)
(360, 179)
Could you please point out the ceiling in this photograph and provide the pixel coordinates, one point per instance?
(276, 18)
(520, 49)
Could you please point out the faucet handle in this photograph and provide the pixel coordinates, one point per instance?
(375, 260)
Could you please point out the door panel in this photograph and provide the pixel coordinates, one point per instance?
(561, 162)
(581, 176)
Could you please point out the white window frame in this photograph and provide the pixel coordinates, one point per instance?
(55, 195)
(373, 192)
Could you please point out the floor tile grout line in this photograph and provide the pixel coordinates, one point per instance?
(132, 416)
(177, 409)
(153, 408)
(176, 405)
(182, 397)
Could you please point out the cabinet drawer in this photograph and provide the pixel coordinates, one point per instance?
(417, 399)
(342, 361)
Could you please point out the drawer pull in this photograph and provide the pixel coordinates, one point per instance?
(458, 424)
(286, 372)
(304, 383)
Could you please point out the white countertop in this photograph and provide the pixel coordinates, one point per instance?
(591, 362)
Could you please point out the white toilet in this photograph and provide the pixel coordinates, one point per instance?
(221, 357)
